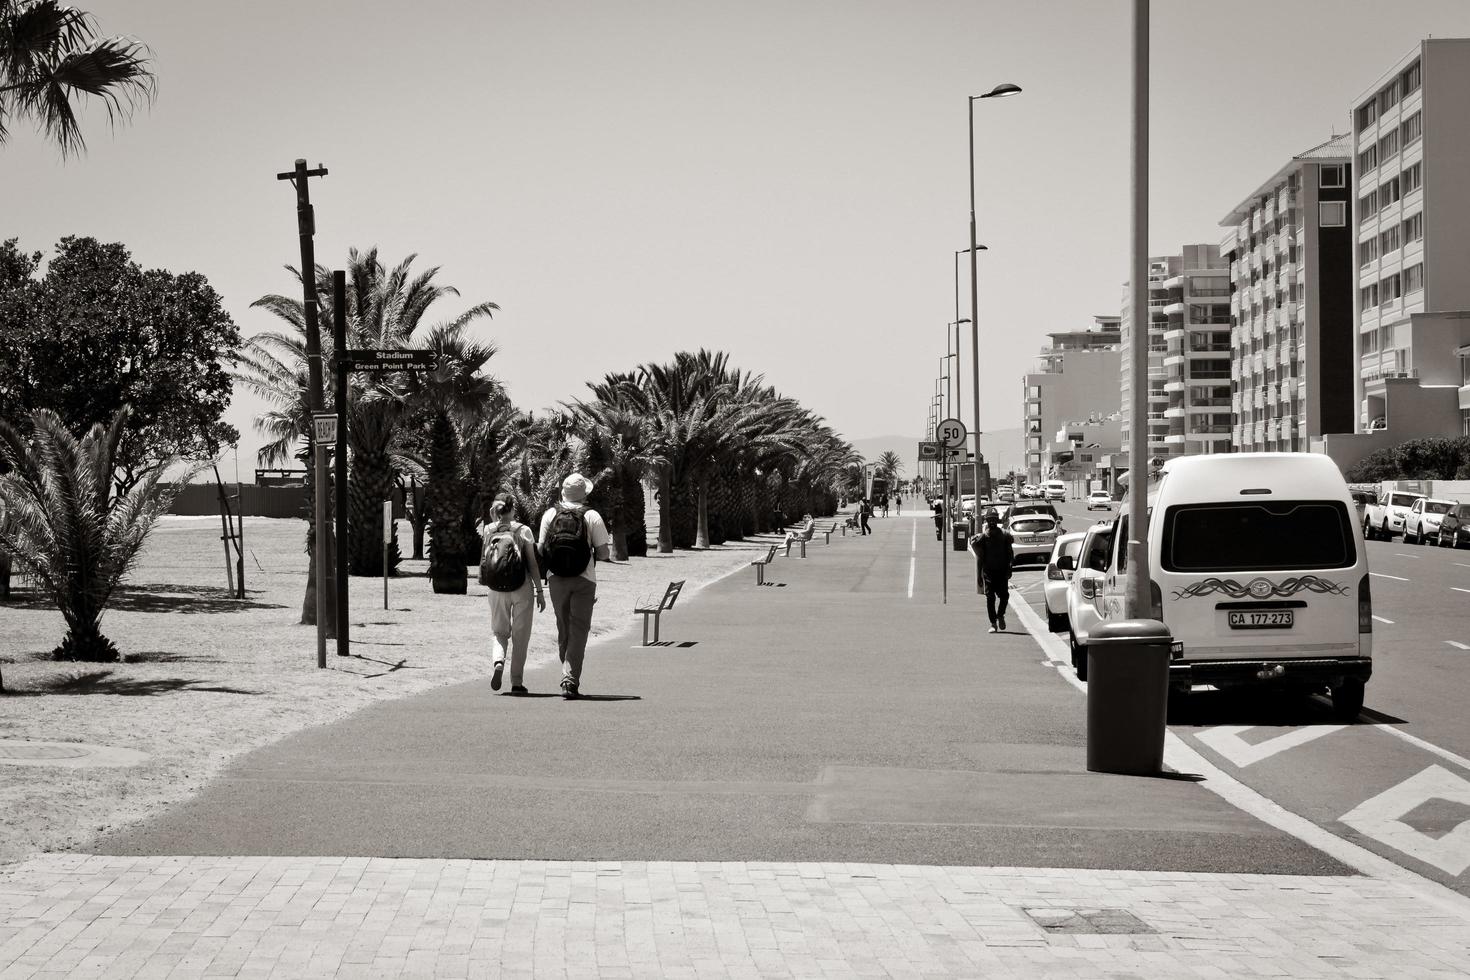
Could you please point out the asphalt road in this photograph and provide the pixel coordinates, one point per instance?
(1398, 780)
(845, 713)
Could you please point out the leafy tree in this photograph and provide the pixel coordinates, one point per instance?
(1433, 458)
(889, 467)
(445, 497)
(51, 57)
(97, 331)
(68, 525)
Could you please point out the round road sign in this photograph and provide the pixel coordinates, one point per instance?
(951, 432)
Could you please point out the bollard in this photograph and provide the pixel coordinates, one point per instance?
(1127, 696)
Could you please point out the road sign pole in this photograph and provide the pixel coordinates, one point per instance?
(339, 344)
(943, 544)
(387, 543)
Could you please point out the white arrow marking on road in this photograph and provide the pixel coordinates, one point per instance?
(1378, 818)
(1226, 740)
(1396, 578)
(1457, 646)
(1382, 620)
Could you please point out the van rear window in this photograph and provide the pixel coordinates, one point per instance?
(1258, 536)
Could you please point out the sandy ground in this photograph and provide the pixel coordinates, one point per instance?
(207, 677)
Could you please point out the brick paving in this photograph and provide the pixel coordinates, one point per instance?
(67, 915)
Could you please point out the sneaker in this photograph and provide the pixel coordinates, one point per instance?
(1002, 624)
(992, 628)
(568, 688)
(495, 677)
(518, 689)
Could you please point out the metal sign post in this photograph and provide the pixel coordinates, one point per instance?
(387, 543)
(324, 435)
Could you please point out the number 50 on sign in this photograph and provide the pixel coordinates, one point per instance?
(951, 433)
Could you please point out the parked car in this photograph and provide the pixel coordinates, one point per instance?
(1032, 507)
(1385, 516)
(1058, 576)
(1099, 500)
(1422, 522)
(967, 503)
(1005, 493)
(1033, 537)
(1255, 567)
(1084, 592)
(1454, 527)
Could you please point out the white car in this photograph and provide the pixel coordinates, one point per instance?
(1099, 500)
(1032, 538)
(967, 503)
(1054, 490)
(1084, 592)
(1421, 526)
(1058, 576)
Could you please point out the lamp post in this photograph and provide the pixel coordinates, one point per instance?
(954, 371)
(1000, 91)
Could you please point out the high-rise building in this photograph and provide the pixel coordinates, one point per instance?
(1411, 140)
(1075, 380)
(1189, 354)
(1290, 251)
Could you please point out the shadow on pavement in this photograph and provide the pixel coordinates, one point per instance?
(1277, 709)
(103, 682)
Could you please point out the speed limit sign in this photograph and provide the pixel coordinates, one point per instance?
(951, 432)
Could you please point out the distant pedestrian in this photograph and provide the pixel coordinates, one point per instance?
(572, 540)
(994, 552)
(865, 511)
(898, 504)
(508, 566)
(938, 519)
(883, 502)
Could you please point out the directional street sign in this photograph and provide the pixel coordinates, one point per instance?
(951, 432)
(389, 360)
(928, 452)
(324, 428)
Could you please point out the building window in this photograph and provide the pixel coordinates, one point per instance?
(1412, 129)
(1413, 178)
(1367, 251)
(1368, 296)
(1368, 160)
(1388, 241)
(1367, 205)
(1330, 175)
(1414, 278)
(1332, 214)
(1367, 113)
(1388, 192)
(1370, 342)
(1413, 228)
(1389, 97)
(1389, 289)
(1388, 147)
(1410, 78)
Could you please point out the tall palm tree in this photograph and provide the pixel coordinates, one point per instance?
(619, 440)
(66, 524)
(889, 467)
(51, 57)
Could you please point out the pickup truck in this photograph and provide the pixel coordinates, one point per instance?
(1384, 518)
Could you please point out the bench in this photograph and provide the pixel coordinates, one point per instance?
(760, 566)
(663, 606)
(800, 537)
(826, 528)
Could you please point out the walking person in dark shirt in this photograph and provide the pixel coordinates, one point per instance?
(938, 519)
(993, 555)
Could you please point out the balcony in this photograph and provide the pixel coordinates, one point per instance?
(1174, 439)
(1174, 412)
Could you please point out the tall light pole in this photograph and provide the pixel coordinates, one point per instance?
(1000, 91)
(954, 370)
(1137, 601)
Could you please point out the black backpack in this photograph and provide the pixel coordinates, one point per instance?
(567, 550)
(501, 565)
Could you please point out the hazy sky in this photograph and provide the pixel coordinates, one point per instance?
(782, 180)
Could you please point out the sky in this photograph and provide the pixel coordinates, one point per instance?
(786, 181)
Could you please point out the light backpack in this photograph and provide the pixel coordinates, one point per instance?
(567, 550)
(501, 565)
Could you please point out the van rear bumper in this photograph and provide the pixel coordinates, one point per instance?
(1226, 673)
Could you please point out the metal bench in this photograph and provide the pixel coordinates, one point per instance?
(760, 566)
(800, 537)
(825, 529)
(663, 606)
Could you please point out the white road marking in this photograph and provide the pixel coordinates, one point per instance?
(1400, 554)
(1462, 564)
(1457, 645)
(1396, 578)
(1226, 740)
(1446, 754)
(1382, 620)
(1378, 818)
(913, 554)
(1458, 589)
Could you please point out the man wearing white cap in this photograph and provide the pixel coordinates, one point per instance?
(573, 539)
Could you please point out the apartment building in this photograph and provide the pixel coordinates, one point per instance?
(1290, 253)
(1411, 140)
(1189, 354)
(1075, 380)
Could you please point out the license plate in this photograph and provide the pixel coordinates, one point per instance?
(1279, 619)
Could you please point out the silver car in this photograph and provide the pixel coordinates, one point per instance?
(1058, 576)
(1032, 538)
(1084, 592)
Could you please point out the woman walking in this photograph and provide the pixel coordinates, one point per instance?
(508, 566)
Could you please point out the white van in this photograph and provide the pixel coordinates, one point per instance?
(1256, 568)
(1054, 490)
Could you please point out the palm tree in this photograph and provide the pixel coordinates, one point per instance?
(620, 447)
(50, 56)
(68, 526)
(889, 467)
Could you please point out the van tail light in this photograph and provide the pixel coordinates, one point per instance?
(1365, 606)
(1155, 600)
(1088, 588)
(1054, 573)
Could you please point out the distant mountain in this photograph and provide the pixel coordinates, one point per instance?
(1002, 449)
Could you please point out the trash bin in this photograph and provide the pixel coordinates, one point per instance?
(961, 536)
(1127, 696)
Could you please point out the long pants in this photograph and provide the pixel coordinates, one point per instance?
(510, 627)
(997, 597)
(866, 529)
(572, 600)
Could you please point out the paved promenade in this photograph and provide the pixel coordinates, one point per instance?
(837, 778)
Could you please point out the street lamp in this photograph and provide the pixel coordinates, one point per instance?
(1000, 91)
(954, 405)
